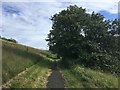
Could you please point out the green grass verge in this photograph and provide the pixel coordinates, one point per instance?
(16, 58)
(36, 77)
(81, 77)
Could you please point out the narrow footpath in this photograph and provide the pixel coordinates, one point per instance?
(55, 80)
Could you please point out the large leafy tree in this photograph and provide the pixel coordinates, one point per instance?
(73, 29)
(112, 39)
(66, 37)
(89, 39)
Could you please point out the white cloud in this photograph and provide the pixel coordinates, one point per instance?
(31, 25)
(96, 5)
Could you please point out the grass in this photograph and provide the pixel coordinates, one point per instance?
(81, 77)
(36, 77)
(16, 58)
(25, 48)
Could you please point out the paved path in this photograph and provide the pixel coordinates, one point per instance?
(55, 80)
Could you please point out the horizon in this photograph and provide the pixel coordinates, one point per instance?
(29, 22)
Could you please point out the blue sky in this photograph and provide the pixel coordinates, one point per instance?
(28, 22)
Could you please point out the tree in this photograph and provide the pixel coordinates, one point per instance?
(66, 36)
(69, 27)
(10, 40)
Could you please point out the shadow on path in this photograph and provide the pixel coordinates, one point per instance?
(55, 80)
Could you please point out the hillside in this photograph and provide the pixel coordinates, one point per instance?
(27, 67)
(24, 64)
(82, 77)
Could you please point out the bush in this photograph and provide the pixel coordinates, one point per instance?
(101, 61)
(10, 40)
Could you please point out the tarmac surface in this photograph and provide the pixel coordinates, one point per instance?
(56, 80)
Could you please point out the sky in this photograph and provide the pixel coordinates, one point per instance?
(29, 22)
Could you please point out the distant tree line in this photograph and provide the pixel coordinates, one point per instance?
(10, 40)
(86, 39)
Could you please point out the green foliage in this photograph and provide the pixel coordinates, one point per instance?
(66, 32)
(101, 61)
(80, 37)
(10, 40)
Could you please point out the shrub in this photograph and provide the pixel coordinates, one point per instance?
(11, 40)
(101, 61)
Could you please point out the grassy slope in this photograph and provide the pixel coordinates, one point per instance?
(81, 77)
(16, 58)
(35, 77)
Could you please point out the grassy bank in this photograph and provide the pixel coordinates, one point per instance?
(16, 58)
(81, 77)
(35, 77)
